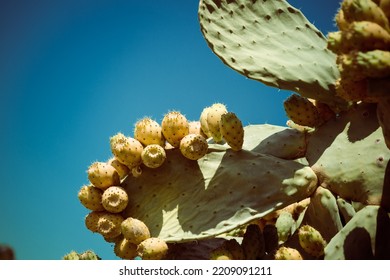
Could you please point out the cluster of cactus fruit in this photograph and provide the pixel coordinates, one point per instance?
(214, 189)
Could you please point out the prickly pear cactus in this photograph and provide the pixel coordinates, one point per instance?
(245, 192)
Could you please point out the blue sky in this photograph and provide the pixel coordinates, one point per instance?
(73, 73)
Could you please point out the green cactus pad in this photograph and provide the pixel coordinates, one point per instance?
(272, 42)
(186, 200)
(365, 236)
(349, 155)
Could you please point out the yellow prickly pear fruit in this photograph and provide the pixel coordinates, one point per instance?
(232, 130)
(341, 23)
(366, 35)
(153, 156)
(92, 219)
(109, 225)
(193, 146)
(91, 198)
(221, 253)
(301, 111)
(287, 253)
(127, 150)
(335, 42)
(135, 230)
(354, 90)
(148, 132)
(102, 175)
(195, 128)
(203, 122)
(115, 199)
(152, 249)
(213, 119)
(364, 10)
(124, 249)
(311, 241)
(174, 127)
(122, 169)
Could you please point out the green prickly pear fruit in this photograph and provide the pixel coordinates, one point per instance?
(195, 128)
(232, 130)
(102, 175)
(311, 241)
(148, 132)
(287, 253)
(122, 169)
(91, 198)
(174, 127)
(213, 119)
(127, 150)
(89, 256)
(360, 65)
(221, 253)
(153, 248)
(234, 248)
(72, 256)
(193, 146)
(364, 10)
(92, 220)
(203, 122)
(115, 199)
(285, 225)
(153, 156)
(301, 111)
(135, 230)
(253, 243)
(109, 225)
(124, 249)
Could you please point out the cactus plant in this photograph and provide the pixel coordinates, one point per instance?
(335, 156)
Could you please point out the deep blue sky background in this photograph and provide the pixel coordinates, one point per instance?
(75, 72)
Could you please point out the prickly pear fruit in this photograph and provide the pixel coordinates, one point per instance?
(109, 225)
(286, 253)
(385, 6)
(125, 249)
(135, 230)
(285, 224)
(148, 132)
(195, 128)
(115, 199)
(360, 35)
(253, 243)
(311, 241)
(341, 23)
(91, 198)
(213, 119)
(301, 111)
(193, 146)
(174, 127)
(360, 65)
(92, 220)
(153, 156)
(102, 175)
(364, 10)
(122, 169)
(127, 150)
(72, 256)
(232, 130)
(354, 90)
(89, 256)
(152, 249)
(234, 248)
(221, 253)
(203, 122)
